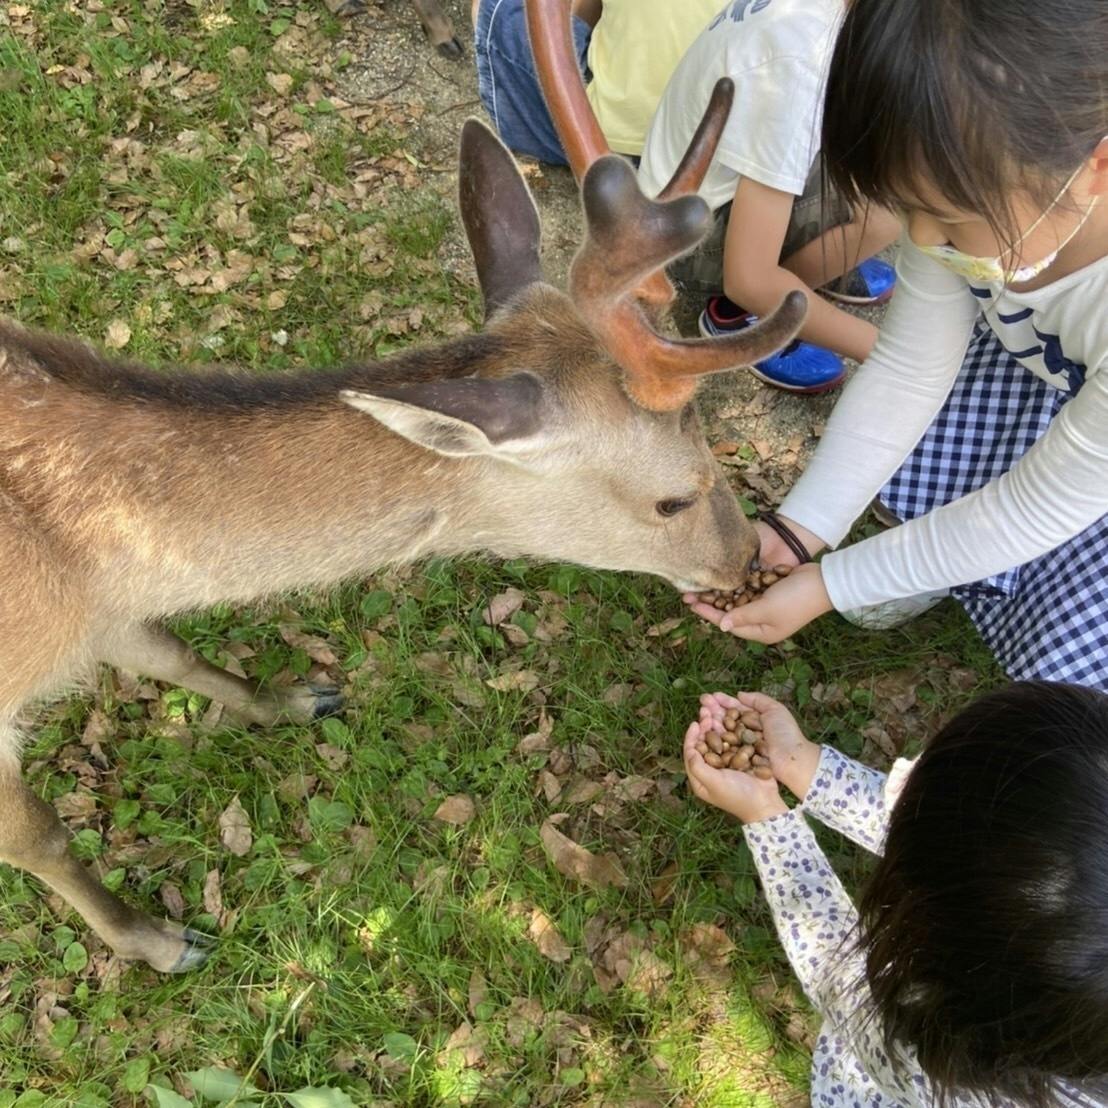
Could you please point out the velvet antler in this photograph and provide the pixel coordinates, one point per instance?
(628, 237)
(617, 280)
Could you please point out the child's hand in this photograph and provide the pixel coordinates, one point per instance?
(746, 797)
(782, 610)
(792, 758)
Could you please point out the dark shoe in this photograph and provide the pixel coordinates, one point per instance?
(799, 367)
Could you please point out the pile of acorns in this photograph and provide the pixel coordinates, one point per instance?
(756, 583)
(739, 746)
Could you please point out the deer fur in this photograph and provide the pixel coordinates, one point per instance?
(127, 495)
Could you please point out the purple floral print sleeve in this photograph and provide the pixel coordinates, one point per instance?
(849, 798)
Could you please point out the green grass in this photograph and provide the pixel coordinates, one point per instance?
(359, 933)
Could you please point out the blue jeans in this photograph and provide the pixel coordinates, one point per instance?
(508, 84)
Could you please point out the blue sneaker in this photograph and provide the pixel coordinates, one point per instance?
(800, 367)
(871, 282)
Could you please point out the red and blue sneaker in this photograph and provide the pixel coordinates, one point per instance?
(799, 367)
(871, 282)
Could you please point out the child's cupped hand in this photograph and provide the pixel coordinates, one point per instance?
(781, 611)
(793, 760)
(746, 797)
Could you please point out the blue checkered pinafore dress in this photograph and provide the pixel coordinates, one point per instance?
(1045, 620)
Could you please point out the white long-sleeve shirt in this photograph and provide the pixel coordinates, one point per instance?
(1060, 487)
(815, 921)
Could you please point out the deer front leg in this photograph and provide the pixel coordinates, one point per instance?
(438, 28)
(161, 655)
(32, 838)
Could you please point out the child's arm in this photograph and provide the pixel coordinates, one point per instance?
(891, 400)
(1053, 493)
(883, 413)
(754, 277)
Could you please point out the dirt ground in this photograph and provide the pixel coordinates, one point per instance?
(773, 432)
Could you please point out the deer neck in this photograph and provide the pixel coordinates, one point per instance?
(276, 503)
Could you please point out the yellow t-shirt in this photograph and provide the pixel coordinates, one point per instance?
(635, 48)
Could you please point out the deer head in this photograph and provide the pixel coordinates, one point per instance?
(584, 421)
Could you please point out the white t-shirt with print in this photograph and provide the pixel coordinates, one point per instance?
(777, 52)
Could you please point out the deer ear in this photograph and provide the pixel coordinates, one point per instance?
(463, 416)
(500, 217)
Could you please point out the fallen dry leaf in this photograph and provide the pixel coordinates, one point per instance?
(706, 942)
(172, 899)
(533, 743)
(540, 739)
(213, 894)
(583, 791)
(234, 829)
(633, 787)
(661, 890)
(458, 810)
(468, 1042)
(523, 680)
(634, 964)
(881, 739)
(502, 606)
(664, 627)
(79, 805)
(478, 991)
(551, 786)
(316, 648)
(524, 1016)
(546, 936)
(281, 83)
(598, 871)
(118, 335)
(334, 757)
(617, 694)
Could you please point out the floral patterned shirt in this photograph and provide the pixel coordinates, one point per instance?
(816, 920)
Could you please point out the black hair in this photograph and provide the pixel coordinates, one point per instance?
(977, 99)
(985, 926)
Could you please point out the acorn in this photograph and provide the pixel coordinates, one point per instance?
(756, 583)
(739, 745)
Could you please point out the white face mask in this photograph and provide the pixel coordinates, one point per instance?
(992, 270)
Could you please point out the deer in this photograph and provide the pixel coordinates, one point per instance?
(564, 430)
(435, 22)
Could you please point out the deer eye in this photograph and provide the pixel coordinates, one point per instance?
(673, 507)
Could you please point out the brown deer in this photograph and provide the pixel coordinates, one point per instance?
(436, 23)
(563, 431)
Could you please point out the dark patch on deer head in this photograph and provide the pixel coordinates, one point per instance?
(462, 417)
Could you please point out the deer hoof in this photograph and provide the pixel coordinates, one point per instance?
(198, 948)
(452, 49)
(328, 701)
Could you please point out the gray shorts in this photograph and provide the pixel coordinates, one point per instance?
(700, 274)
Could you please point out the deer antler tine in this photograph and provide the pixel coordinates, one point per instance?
(549, 28)
(689, 174)
(662, 373)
